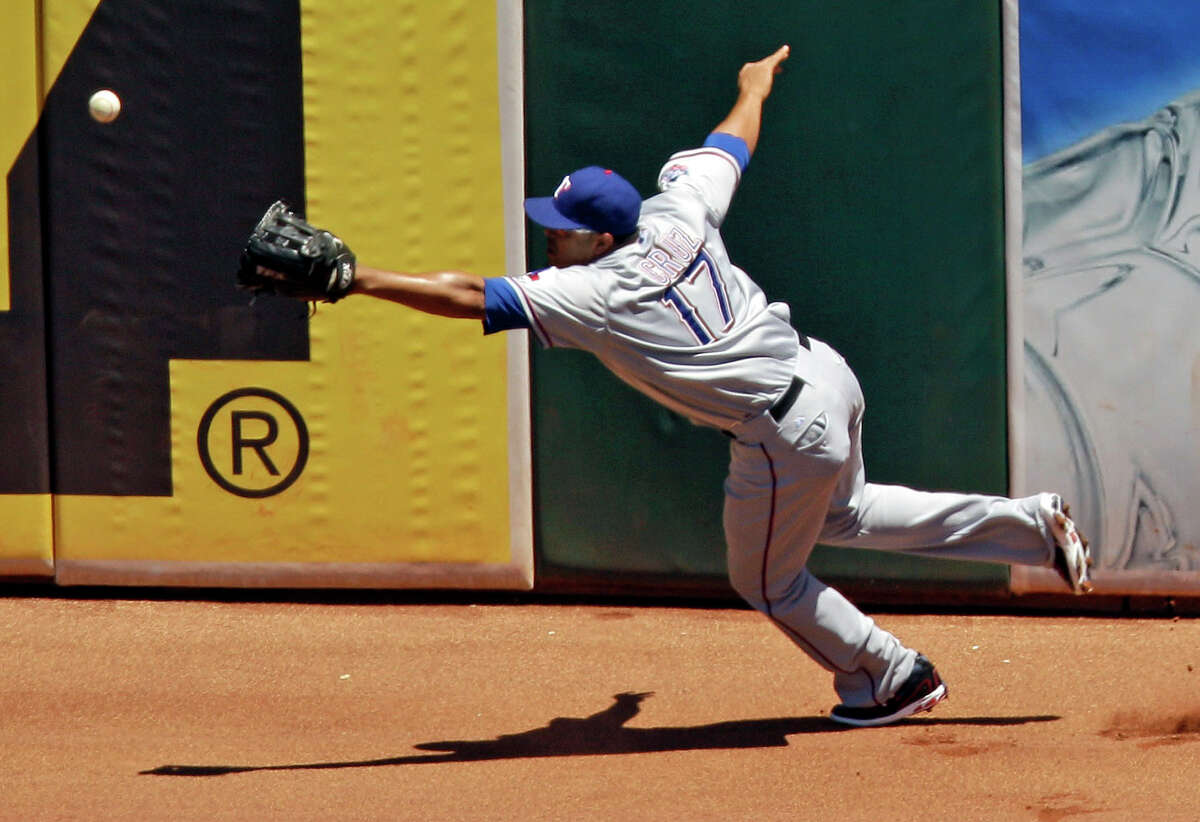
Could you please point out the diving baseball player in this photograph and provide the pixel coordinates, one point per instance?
(649, 289)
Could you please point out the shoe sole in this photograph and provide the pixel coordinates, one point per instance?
(925, 703)
(1075, 557)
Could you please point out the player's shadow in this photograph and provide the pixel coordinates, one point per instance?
(600, 733)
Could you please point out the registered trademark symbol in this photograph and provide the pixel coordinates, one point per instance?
(253, 442)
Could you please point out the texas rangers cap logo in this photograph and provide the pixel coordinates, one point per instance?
(593, 198)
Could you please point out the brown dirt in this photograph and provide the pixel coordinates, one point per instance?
(233, 710)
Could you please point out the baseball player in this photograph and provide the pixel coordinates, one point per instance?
(649, 289)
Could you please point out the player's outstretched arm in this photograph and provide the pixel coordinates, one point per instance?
(291, 257)
(755, 81)
(445, 293)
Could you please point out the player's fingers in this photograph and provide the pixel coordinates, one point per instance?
(760, 75)
(772, 64)
(775, 59)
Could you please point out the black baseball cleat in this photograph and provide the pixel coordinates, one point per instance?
(920, 692)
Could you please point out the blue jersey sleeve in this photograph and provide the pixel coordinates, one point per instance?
(735, 146)
(502, 309)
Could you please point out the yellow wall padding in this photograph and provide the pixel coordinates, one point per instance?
(408, 463)
(25, 539)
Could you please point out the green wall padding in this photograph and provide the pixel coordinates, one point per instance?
(874, 207)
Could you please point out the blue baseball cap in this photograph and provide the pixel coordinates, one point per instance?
(594, 198)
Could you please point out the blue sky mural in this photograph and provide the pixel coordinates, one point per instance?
(1087, 64)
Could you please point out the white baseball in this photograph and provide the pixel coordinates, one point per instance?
(104, 106)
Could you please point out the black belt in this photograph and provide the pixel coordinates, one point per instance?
(785, 403)
(782, 405)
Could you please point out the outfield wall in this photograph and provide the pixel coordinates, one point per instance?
(185, 434)
(161, 428)
(1108, 280)
(873, 206)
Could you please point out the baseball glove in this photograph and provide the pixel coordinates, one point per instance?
(288, 256)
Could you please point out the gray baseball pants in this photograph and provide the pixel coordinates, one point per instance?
(800, 480)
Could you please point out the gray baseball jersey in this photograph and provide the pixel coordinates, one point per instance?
(668, 312)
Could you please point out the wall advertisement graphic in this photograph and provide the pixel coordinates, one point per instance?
(1110, 281)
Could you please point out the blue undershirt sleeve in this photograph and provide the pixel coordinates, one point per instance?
(502, 308)
(731, 145)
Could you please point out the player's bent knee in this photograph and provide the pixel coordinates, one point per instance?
(749, 587)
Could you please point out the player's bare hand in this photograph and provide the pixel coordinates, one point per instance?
(758, 77)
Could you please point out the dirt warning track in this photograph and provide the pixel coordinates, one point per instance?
(232, 710)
